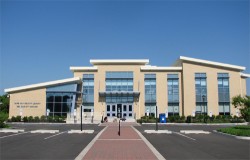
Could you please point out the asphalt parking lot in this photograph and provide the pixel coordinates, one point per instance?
(196, 146)
(61, 145)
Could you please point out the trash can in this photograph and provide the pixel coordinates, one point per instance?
(162, 118)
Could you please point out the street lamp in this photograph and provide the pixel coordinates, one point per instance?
(203, 100)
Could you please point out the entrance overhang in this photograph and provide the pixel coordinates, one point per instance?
(119, 93)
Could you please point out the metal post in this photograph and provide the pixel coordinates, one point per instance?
(81, 117)
(203, 99)
(119, 132)
(156, 125)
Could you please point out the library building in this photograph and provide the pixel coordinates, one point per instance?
(132, 88)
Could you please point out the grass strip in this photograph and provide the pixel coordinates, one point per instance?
(236, 130)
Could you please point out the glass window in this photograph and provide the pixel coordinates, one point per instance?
(150, 88)
(173, 88)
(88, 88)
(224, 108)
(201, 87)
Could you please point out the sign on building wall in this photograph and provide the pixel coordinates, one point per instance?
(27, 104)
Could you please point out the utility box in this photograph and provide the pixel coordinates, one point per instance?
(162, 118)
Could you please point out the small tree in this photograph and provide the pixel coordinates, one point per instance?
(244, 106)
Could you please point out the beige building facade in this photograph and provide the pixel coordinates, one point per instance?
(133, 88)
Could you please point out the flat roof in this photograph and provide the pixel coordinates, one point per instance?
(45, 84)
(73, 68)
(244, 75)
(224, 65)
(119, 61)
(156, 68)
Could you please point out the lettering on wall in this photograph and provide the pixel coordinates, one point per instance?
(27, 104)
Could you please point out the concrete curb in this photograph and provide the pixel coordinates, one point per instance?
(158, 131)
(79, 131)
(194, 132)
(44, 131)
(237, 137)
(200, 124)
(87, 148)
(150, 146)
(11, 130)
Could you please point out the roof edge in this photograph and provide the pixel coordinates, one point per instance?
(241, 68)
(75, 68)
(44, 84)
(119, 61)
(244, 75)
(156, 68)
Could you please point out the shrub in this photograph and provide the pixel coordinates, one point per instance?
(43, 119)
(56, 118)
(3, 118)
(30, 119)
(13, 119)
(50, 119)
(25, 119)
(18, 118)
(36, 119)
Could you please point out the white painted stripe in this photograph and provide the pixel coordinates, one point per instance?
(158, 131)
(11, 130)
(185, 136)
(44, 131)
(87, 148)
(194, 131)
(79, 131)
(14, 135)
(54, 135)
(119, 139)
(150, 146)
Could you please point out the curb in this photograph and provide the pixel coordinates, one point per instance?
(237, 137)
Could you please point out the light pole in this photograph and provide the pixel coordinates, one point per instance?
(203, 100)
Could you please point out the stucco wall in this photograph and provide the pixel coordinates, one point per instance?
(236, 87)
(28, 103)
(139, 85)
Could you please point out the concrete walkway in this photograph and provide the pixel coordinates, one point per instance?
(129, 145)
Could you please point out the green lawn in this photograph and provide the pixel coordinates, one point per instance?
(237, 130)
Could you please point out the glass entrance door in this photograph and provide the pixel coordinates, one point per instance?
(119, 110)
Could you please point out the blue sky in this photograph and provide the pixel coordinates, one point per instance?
(41, 39)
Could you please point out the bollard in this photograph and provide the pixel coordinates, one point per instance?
(81, 117)
(156, 125)
(119, 132)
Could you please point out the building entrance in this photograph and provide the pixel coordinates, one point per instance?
(119, 110)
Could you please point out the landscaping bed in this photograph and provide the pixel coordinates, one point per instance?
(237, 130)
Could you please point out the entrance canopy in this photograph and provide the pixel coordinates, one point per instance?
(119, 93)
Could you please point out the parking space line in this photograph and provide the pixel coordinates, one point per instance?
(55, 135)
(184, 136)
(14, 135)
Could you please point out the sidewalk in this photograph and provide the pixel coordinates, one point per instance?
(129, 145)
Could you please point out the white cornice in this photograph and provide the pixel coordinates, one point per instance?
(155, 68)
(241, 68)
(119, 61)
(244, 75)
(94, 68)
(45, 84)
